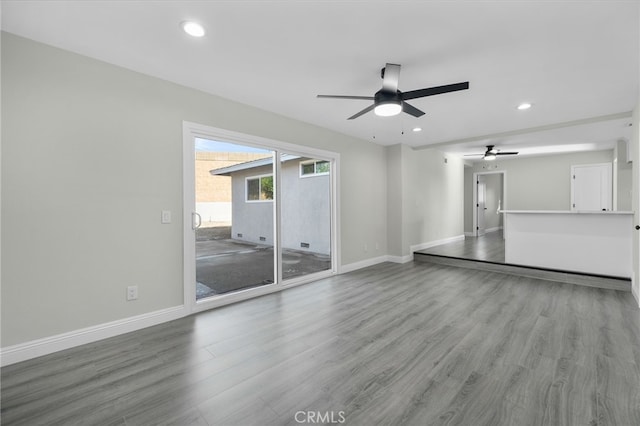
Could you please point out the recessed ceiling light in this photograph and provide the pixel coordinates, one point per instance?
(417, 129)
(193, 28)
(524, 105)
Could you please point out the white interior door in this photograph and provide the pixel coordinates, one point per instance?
(591, 187)
(481, 188)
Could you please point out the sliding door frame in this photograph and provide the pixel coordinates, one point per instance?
(191, 131)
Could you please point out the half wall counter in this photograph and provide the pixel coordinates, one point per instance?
(598, 243)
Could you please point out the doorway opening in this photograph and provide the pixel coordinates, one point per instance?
(260, 215)
(489, 198)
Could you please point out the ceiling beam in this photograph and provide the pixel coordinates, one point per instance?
(547, 127)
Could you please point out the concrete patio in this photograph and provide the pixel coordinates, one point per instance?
(224, 265)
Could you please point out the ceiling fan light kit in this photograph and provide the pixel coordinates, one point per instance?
(388, 109)
(390, 101)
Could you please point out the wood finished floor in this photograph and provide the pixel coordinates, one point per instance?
(489, 247)
(411, 344)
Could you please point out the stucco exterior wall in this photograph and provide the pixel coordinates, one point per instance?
(306, 213)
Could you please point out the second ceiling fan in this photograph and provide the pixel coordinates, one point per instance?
(491, 153)
(390, 101)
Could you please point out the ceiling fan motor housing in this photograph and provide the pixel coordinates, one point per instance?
(384, 97)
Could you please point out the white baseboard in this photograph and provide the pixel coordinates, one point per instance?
(429, 244)
(362, 264)
(376, 260)
(400, 259)
(469, 234)
(35, 348)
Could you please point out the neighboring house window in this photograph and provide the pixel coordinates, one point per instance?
(314, 168)
(260, 188)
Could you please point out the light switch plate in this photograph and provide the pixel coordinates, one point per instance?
(166, 216)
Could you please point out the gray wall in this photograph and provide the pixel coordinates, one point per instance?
(533, 183)
(426, 202)
(395, 234)
(101, 147)
(306, 214)
(623, 169)
(542, 183)
(468, 199)
(494, 186)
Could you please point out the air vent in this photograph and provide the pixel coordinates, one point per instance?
(239, 235)
(263, 238)
(304, 245)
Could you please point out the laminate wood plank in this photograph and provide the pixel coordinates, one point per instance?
(190, 417)
(479, 401)
(401, 344)
(409, 406)
(238, 405)
(571, 398)
(489, 247)
(618, 391)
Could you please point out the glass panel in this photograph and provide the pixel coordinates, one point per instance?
(306, 218)
(266, 188)
(253, 189)
(234, 245)
(322, 167)
(308, 169)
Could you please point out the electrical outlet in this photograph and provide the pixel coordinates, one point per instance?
(132, 292)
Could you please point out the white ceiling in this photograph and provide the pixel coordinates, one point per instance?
(576, 61)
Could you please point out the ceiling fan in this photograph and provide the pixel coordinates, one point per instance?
(491, 153)
(390, 101)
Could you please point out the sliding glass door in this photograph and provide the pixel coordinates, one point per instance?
(259, 222)
(305, 215)
(234, 217)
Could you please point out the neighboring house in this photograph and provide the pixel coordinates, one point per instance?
(306, 208)
(213, 193)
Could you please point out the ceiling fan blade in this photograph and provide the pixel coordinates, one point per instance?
(411, 110)
(391, 77)
(364, 111)
(473, 155)
(366, 98)
(421, 93)
(506, 153)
